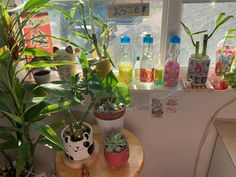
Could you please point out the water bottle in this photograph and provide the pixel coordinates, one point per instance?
(137, 68)
(158, 71)
(171, 68)
(147, 65)
(125, 63)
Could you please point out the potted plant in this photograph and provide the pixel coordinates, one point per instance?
(112, 95)
(116, 150)
(199, 62)
(25, 106)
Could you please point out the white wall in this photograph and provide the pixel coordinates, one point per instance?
(171, 144)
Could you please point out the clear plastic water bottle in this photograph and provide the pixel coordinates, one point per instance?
(137, 68)
(125, 62)
(147, 65)
(171, 68)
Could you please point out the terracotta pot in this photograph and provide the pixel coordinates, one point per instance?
(198, 70)
(80, 149)
(117, 159)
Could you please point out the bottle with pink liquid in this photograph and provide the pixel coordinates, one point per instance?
(171, 68)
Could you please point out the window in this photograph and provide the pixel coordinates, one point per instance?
(132, 26)
(202, 16)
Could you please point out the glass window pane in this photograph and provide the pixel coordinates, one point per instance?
(132, 26)
(202, 16)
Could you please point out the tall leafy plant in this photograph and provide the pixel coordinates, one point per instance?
(24, 106)
(222, 19)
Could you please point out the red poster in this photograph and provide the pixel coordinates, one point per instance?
(42, 42)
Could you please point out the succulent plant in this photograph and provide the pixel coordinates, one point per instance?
(116, 143)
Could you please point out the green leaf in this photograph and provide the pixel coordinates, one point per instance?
(98, 21)
(22, 157)
(80, 35)
(34, 3)
(199, 32)
(40, 64)
(67, 41)
(53, 108)
(4, 129)
(49, 144)
(8, 145)
(83, 61)
(72, 10)
(35, 100)
(47, 132)
(67, 15)
(57, 90)
(7, 136)
(59, 123)
(122, 92)
(109, 82)
(12, 117)
(221, 15)
(36, 52)
(225, 20)
(186, 29)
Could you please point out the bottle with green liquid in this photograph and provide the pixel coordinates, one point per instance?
(125, 62)
(158, 72)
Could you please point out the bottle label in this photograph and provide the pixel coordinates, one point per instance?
(224, 61)
(146, 75)
(171, 74)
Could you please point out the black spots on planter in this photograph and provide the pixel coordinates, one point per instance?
(66, 139)
(91, 149)
(86, 136)
(86, 144)
(69, 157)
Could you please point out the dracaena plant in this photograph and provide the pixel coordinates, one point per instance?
(25, 106)
(222, 19)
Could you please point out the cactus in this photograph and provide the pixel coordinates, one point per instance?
(116, 143)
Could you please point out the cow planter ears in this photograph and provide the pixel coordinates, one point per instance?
(67, 54)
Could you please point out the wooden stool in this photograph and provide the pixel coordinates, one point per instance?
(100, 168)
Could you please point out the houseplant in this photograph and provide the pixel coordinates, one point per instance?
(112, 95)
(199, 62)
(18, 105)
(116, 150)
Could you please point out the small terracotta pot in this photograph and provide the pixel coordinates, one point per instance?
(117, 159)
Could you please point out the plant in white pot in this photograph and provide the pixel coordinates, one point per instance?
(113, 96)
(116, 150)
(199, 62)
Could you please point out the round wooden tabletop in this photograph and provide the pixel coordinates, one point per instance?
(100, 168)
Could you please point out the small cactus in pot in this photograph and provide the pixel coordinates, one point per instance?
(116, 151)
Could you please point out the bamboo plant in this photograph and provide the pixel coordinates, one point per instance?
(222, 19)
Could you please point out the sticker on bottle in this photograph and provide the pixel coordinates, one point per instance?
(146, 75)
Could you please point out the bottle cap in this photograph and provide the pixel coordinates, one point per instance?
(148, 39)
(137, 58)
(125, 39)
(175, 39)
